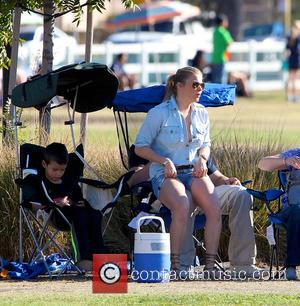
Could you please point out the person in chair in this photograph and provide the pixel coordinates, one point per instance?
(66, 195)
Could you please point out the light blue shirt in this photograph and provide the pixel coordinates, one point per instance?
(165, 132)
(289, 153)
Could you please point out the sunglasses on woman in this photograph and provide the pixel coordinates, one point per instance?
(198, 85)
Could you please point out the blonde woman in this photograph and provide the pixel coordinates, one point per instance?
(175, 139)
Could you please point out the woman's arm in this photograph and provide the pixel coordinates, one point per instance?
(204, 153)
(147, 133)
(274, 162)
(200, 168)
(149, 154)
(278, 162)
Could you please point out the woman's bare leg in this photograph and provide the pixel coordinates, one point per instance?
(205, 197)
(291, 83)
(173, 196)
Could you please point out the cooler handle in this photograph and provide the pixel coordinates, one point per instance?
(163, 229)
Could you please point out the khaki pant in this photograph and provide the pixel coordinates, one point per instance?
(236, 203)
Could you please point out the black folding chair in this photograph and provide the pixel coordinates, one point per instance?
(39, 228)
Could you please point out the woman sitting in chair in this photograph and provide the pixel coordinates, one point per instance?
(290, 215)
(175, 139)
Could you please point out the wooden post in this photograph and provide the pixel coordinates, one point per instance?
(47, 66)
(88, 59)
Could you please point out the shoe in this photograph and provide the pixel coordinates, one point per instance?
(85, 265)
(291, 273)
(251, 271)
(212, 274)
(182, 275)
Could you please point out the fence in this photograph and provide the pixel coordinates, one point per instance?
(153, 62)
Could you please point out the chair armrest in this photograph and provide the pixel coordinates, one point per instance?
(267, 195)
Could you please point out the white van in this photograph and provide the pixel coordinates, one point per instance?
(177, 30)
(31, 49)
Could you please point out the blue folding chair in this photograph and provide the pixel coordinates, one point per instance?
(141, 101)
(268, 196)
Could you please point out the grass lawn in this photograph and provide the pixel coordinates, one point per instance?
(79, 292)
(264, 118)
(149, 299)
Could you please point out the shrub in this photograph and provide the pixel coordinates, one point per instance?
(232, 158)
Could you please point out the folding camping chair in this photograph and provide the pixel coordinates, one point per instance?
(142, 100)
(85, 87)
(268, 196)
(40, 219)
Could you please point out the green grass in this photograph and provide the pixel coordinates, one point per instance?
(265, 117)
(151, 299)
(241, 135)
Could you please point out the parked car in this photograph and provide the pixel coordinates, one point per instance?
(31, 48)
(261, 32)
(175, 30)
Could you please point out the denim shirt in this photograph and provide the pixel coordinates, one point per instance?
(165, 132)
(286, 154)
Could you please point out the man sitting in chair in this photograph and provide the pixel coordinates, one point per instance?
(66, 194)
(290, 213)
(236, 202)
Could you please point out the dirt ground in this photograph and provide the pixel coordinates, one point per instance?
(84, 286)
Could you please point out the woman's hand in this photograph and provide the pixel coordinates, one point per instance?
(170, 170)
(200, 168)
(293, 161)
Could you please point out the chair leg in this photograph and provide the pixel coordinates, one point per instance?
(21, 234)
(272, 260)
(275, 255)
(201, 245)
(36, 243)
(51, 240)
(39, 251)
(277, 248)
(42, 234)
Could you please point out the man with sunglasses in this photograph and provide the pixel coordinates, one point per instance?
(235, 202)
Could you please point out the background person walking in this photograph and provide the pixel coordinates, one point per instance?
(293, 58)
(221, 40)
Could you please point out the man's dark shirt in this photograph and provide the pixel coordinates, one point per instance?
(211, 166)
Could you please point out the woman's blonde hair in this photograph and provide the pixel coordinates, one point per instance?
(181, 76)
(295, 31)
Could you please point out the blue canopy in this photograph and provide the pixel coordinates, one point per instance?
(143, 99)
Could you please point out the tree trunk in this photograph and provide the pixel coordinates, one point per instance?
(47, 65)
(232, 8)
(5, 105)
(10, 111)
(88, 59)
